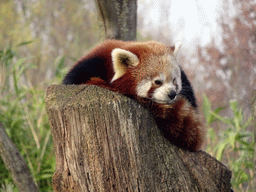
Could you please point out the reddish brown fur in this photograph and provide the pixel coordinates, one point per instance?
(142, 50)
(178, 121)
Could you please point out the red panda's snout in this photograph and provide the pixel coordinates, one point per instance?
(172, 95)
(158, 90)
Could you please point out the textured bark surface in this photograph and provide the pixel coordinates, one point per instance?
(118, 19)
(15, 163)
(105, 141)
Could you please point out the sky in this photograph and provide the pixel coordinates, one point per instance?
(190, 21)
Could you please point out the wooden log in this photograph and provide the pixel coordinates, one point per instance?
(105, 141)
(254, 129)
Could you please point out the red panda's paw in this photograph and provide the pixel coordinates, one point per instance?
(101, 83)
(97, 81)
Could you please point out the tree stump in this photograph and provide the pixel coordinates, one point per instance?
(105, 141)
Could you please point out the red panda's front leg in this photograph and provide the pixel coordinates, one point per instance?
(179, 122)
(101, 83)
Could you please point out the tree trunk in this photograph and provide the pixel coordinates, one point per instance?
(105, 141)
(118, 18)
(254, 125)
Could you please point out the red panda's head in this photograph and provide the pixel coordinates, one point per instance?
(148, 70)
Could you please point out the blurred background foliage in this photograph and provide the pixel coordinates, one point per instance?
(56, 28)
(41, 40)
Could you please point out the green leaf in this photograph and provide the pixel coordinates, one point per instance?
(19, 63)
(232, 139)
(248, 122)
(221, 147)
(45, 176)
(207, 109)
(233, 105)
(59, 62)
(24, 43)
(219, 109)
(226, 120)
(211, 134)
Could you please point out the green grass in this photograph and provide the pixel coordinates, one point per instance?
(234, 145)
(23, 114)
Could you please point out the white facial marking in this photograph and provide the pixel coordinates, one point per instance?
(161, 94)
(143, 88)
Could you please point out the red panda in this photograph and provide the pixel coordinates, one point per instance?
(149, 73)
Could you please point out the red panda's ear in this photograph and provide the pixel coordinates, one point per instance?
(175, 49)
(122, 60)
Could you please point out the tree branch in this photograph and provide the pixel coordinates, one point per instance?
(15, 163)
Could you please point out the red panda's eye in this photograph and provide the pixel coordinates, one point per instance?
(174, 82)
(158, 82)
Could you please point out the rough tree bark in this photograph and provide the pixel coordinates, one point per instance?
(15, 163)
(105, 141)
(118, 19)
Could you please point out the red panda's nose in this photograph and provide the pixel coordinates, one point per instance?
(172, 95)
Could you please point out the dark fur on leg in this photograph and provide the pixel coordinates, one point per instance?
(179, 122)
